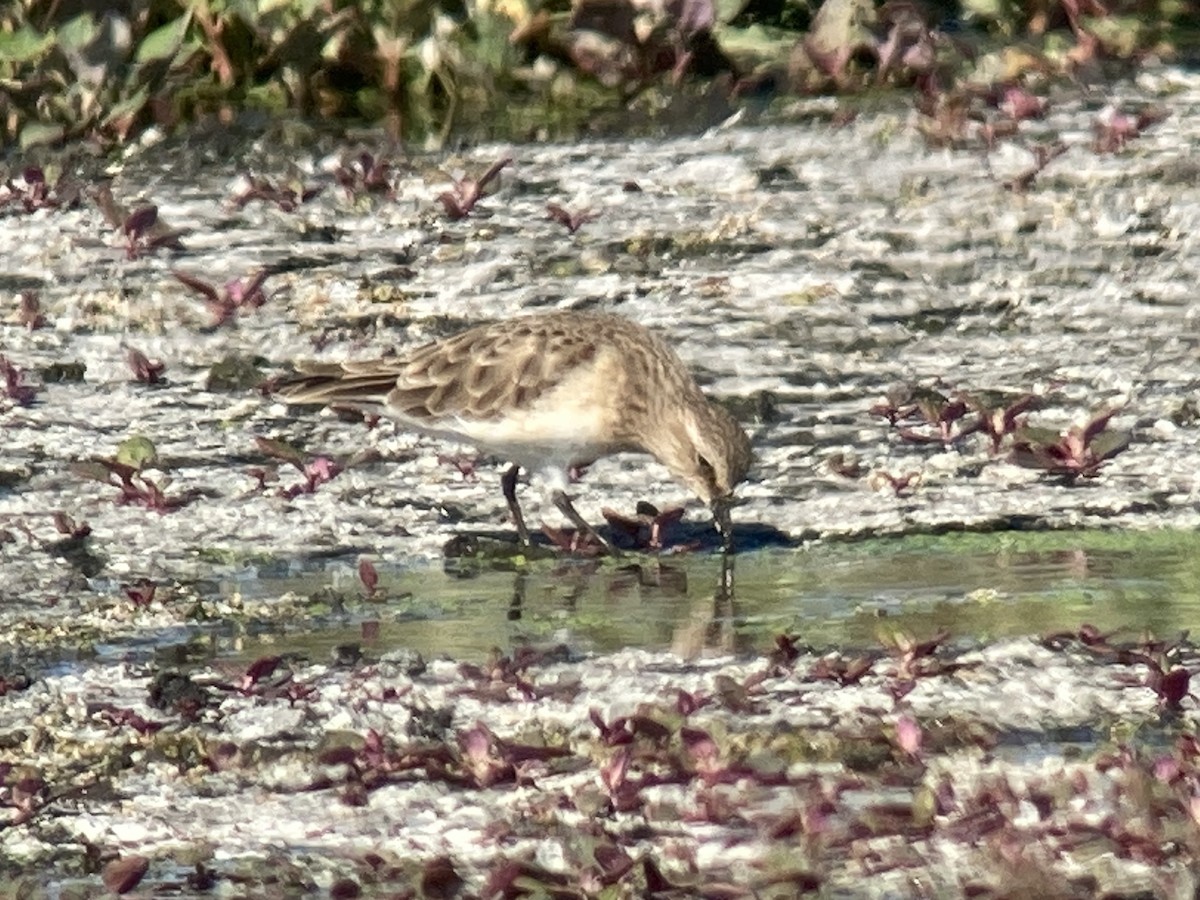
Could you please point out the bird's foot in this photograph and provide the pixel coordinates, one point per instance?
(574, 541)
(563, 502)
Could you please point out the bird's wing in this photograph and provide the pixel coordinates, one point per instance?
(487, 371)
(478, 374)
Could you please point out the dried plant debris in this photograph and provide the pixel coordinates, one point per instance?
(236, 372)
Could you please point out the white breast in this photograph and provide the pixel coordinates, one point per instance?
(567, 426)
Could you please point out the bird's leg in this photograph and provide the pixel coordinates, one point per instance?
(723, 522)
(563, 502)
(508, 484)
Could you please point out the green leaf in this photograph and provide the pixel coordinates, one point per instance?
(137, 451)
(1037, 437)
(41, 134)
(123, 115)
(1110, 443)
(1120, 35)
(249, 11)
(281, 451)
(162, 43)
(759, 41)
(924, 806)
(1001, 12)
(128, 108)
(23, 45)
(77, 33)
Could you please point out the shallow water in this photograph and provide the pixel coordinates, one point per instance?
(977, 587)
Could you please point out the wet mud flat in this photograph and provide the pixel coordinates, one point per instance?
(805, 271)
(925, 769)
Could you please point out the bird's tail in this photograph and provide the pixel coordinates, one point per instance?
(335, 384)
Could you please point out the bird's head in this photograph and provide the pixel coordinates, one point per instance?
(710, 453)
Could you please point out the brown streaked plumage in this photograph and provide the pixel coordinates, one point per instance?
(550, 392)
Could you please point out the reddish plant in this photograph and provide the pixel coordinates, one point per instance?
(574, 541)
(29, 312)
(145, 370)
(933, 408)
(1114, 129)
(134, 487)
(369, 576)
(366, 174)
(125, 873)
(141, 592)
(460, 200)
(1019, 103)
(65, 525)
(13, 385)
(287, 198)
(647, 527)
(144, 232)
(316, 471)
(464, 464)
(900, 484)
(917, 659)
(1043, 155)
(572, 221)
(232, 297)
(127, 718)
(1079, 453)
(844, 671)
(33, 192)
(996, 419)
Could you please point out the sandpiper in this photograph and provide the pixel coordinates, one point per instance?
(550, 393)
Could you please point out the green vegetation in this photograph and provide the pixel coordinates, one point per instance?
(431, 68)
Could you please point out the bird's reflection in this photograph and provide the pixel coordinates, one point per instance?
(707, 624)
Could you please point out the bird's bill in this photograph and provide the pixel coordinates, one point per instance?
(721, 508)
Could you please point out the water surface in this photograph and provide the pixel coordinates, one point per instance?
(978, 587)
